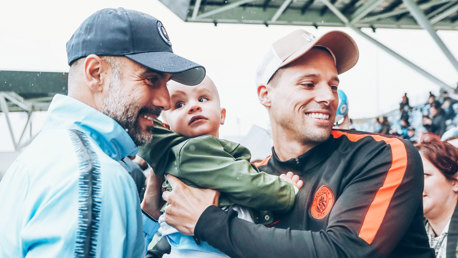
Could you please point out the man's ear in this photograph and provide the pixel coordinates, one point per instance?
(223, 116)
(94, 70)
(263, 95)
(455, 183)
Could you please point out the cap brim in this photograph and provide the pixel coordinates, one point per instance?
(183, 70)
(339, 43)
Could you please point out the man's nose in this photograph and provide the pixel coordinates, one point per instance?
(325, 94)
(161, 97)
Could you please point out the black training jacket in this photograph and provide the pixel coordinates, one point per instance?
(362, 197)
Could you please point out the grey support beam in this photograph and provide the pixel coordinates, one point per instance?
(224, 8)
(280, 10)
(196, 9)
(410, 64)
(439, 10)
(29, 116)
(418, 14)
(4, 108)
(336, 11)
(415, 67)
(445, 14)
(398, 12)
(364, 10)
(17, 100)
(306, 6)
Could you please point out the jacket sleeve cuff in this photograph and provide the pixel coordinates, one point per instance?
(150, 227)
(211, 216)
(216, 217)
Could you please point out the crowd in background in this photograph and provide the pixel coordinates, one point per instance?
(437, 117)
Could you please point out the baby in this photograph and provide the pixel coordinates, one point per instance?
(192, 151)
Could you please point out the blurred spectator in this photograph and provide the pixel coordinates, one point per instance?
(404, 105)
(440, 195)
(447, 105)
(429, 102)
(427, 123)
(404, 128)
(383, 126)
(411, 135)
(438, 118)
(405, 115)
(342, 121)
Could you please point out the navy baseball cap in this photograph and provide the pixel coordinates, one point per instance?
(135, 35)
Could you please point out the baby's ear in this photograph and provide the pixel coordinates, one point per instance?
(223, 116)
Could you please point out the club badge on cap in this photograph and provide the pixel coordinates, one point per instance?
(163, 33)
(134, 35)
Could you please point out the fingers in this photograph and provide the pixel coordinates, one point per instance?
(299, 184)
(174, 182)
(291, 178)
(165, 195)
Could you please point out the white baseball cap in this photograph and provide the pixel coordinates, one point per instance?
(294, 45)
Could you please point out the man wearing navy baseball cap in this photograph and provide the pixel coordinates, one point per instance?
(69, 193)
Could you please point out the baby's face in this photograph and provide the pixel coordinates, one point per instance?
(194, 110)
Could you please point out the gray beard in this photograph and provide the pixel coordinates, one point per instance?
(125, 111)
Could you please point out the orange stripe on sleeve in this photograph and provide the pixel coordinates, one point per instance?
(262, 163)
(377, 210)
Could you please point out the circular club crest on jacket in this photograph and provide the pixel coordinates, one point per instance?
(322, 202)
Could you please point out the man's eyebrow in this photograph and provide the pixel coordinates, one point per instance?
(309, 75)
(150, 71)
(314, 75)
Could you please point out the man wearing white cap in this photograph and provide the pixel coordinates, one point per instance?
(362, 193)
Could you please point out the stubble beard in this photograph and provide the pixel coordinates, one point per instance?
(303, 133)
(316, 136)
(124, 110)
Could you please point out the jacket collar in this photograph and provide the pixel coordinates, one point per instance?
(67, 112)
(307, 160)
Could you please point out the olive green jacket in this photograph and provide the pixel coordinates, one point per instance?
(209, 162)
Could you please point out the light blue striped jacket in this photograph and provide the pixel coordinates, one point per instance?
(67, 195)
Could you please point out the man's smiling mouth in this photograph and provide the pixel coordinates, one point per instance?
(318, 116)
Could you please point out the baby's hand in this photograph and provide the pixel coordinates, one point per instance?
(293, 179)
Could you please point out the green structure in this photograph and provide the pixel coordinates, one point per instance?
(29, 91)
(354, 14)
(22, 91)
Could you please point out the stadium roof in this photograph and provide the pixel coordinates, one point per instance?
(354, 14)
(399, 14)
(26, 91)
